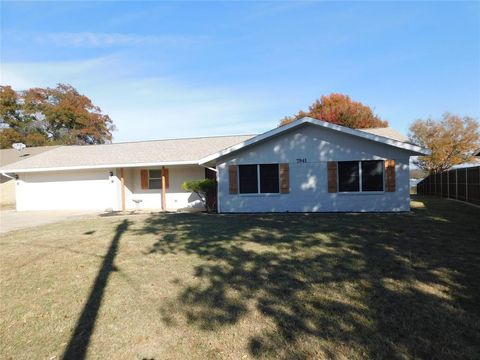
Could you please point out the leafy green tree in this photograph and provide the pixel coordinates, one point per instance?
(205, 189)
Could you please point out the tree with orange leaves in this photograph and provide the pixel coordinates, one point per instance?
(453, 140)
(51, 116)
(341, 110)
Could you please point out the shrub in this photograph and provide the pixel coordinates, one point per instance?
(206, 191)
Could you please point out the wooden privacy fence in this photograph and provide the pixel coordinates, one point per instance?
(461, 184)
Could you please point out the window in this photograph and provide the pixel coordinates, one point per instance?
(154, 179)
(248, 179)
(254, 179)
(348, 176)
(269, 181)
(364, 175)
(372, 175)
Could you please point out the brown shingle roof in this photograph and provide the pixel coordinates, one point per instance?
(188, 150)
(128, 154)
(387, 132)
(9, 156)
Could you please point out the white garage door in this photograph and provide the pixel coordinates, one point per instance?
(69, 190)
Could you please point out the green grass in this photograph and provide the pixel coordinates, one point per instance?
(175, 286)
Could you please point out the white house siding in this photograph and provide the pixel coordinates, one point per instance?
(7, 191)
(97, 190)
(308, 181)
(176, 197)
(66, 190)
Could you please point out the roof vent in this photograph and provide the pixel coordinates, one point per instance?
(19, 146)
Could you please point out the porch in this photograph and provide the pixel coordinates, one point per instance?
(158, 187)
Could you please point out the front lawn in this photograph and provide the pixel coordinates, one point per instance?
(178, 286)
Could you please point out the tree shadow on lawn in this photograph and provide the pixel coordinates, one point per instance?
(334, 285)
(80, 339)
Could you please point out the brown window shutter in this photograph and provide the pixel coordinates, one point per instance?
(284, 178)
(390, 175)
(144, 179)
(165, 173)
(332, 176)
(232, 179)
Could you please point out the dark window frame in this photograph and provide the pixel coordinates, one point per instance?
(374, 182)
(273, 176)
(357, 177)
(155, 179)
(361, 177)
(247, 188)
(260, 185)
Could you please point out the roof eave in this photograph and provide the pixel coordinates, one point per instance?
(103, 166)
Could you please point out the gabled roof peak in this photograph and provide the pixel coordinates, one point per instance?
(368, 134)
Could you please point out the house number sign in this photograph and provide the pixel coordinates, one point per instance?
(301, 160)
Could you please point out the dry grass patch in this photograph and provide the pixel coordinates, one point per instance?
(170, 286)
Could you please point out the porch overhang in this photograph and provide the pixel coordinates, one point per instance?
(103, 166)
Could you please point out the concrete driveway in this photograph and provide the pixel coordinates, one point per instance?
(13, 220)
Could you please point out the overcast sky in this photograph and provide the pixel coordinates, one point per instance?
(181, 69)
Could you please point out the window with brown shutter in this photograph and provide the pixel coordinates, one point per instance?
(390, 175)
(332, 176)
(259, 179)
(284, 178)
(152, 179)
(232, 179)
(360, 176)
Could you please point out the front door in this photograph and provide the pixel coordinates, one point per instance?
(211, 198)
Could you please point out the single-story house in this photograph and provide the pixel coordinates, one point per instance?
(7, 183)
(306, 166)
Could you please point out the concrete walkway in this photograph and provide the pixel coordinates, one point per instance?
(13, 220)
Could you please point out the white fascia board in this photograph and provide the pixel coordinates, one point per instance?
(106, 166)
(417, 150)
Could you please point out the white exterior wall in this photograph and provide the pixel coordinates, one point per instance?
(67, 190)
(176, 197)
(308, 181)
(97, 190)
(7, 191)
